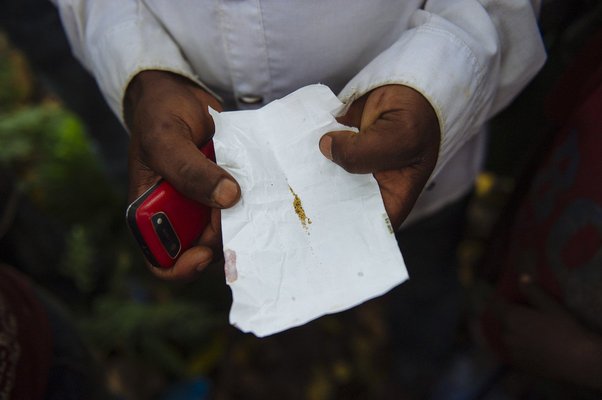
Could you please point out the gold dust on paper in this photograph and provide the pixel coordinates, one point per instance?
(298, 207)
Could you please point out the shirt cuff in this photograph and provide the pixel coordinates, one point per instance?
(129, 48)
(440, 65)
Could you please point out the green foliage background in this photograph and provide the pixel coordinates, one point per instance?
(122, 312)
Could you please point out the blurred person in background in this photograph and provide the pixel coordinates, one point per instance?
(545, 321)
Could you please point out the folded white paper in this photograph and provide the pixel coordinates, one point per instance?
(307, 238)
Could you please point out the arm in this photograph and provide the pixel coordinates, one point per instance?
(148, 83)
(468, 59)
(117, 39)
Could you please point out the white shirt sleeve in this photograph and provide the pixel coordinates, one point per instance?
(469, 58)
(115, 40)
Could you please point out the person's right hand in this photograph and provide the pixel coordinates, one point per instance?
(168, 119)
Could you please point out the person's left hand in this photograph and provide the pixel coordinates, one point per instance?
(544, 339)
(398, 142)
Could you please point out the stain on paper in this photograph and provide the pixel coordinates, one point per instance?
(230, 266)
(298, 207)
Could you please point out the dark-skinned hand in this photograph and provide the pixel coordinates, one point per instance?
(168, 120)
(398, 142)
(544, 339)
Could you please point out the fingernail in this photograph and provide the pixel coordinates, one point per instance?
(326, 146)
(225, 193)
(524, 278)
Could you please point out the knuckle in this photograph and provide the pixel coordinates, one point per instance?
(346, 158)
(194, 182)
(349, 165)
(188, 180)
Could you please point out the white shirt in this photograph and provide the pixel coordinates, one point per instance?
(469, 58)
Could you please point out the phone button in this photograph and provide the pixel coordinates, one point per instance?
(250, 99)
(168, 237)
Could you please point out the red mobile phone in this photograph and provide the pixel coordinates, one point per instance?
(165, 223)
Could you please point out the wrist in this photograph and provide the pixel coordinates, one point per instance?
(155, 86)
(134, 92)
(145, 79)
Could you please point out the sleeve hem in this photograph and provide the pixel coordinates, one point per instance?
(444, 69)
(132, 47)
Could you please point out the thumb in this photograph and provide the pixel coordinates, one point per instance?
(326, 145)
(378, 147)
(177, 159)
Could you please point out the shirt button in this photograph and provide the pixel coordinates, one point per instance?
(250, 99)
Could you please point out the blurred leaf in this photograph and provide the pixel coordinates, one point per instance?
(77, 262)
(16, 82)
(207, 358)
(120, 309)
(50, 152)
(169, 333)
